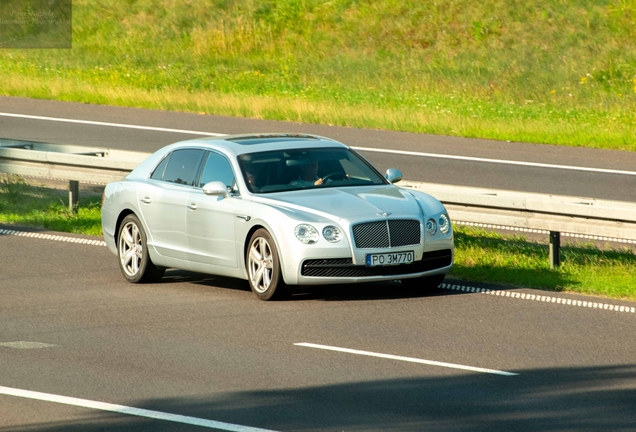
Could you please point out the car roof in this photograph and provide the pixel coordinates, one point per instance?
(251, 143)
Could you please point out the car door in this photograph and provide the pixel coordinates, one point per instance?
(210, 219)
(163, 201)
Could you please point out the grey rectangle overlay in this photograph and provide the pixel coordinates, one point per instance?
(39, 24)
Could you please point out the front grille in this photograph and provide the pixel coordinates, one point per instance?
(344, 267)
(385, 234)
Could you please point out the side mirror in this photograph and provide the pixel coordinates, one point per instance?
(215, 188)
(393, 175)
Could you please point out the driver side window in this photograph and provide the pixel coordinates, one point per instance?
(217, 168)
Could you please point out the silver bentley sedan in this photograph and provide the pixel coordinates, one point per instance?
(277, 210)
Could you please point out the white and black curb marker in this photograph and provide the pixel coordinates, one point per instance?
(539, 298)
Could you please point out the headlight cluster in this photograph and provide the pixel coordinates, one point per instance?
(309, 235)
(442, 223)
(332, 234)
(431, 227)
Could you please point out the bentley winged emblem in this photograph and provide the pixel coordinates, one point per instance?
(385, 214)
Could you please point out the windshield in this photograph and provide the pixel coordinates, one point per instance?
(283, 170)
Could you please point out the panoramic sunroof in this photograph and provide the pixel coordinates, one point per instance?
(249, 140)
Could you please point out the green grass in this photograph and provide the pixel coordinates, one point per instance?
(483, 256)
(546, 71)
(480, 256)
(31, 205)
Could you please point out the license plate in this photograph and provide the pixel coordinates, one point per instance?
(389, 259)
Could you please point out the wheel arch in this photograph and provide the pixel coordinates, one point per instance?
(120, 218)
(247, 238)
(271, 232)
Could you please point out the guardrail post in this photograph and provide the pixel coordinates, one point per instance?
(555, 249)
(73, 195)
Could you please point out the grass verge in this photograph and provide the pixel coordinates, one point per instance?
(546, 72)
(480, 256)
(486, 256)
(36, 205)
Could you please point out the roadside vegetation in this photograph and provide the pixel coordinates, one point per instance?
(36, 205)
(543, 71)
(480, 256)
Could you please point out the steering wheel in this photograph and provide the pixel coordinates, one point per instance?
(335, 176)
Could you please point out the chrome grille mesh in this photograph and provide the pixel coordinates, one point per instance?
(404, 232)
(371, 235)
(385, 234)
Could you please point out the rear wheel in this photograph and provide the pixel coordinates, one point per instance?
(132, 251)
(263, 266)
(424, 284)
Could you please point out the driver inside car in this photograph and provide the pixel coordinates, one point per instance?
(308, 175)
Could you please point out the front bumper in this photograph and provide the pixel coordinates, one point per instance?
(342, 270)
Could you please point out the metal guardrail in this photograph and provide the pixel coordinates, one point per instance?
(551, 213)
(67, 162)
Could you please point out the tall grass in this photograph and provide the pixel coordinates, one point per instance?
(546, 71)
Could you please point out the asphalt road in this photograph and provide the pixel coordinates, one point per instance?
(432, 163)
(205, 348)
(198, 351)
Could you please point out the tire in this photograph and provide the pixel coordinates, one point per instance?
(132, 251)
(424, 284)
(263, 267)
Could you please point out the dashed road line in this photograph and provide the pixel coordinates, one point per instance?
(26, 345)
(540, 298)
(406, 359)
(127, 410)
(60, 238)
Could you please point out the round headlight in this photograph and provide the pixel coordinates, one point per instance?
(444, 223)
(306, 233)
(332, 234)
(431, 227)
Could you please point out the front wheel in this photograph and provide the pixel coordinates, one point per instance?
(424, 284)
(263, 266)
(132, 251)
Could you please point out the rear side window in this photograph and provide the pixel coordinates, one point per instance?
(161, 168)
(182, 167)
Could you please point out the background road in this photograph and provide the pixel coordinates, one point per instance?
(418, 168)
(206, 349)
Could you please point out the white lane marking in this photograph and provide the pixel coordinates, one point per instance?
(52, 237)
(400, 152)
(540, 298)
(406, 359)
(120, 125)
(26, 345)
(122, 409)
(499, 161)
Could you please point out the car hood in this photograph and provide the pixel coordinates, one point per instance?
(348, 202)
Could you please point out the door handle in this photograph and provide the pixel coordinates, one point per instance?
(193, 206)
(146, 200)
